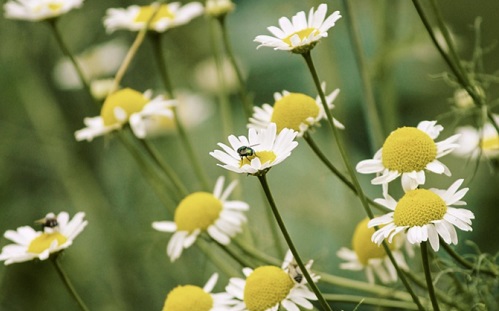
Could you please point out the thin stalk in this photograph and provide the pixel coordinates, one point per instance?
(427, 273)
(184, 138)
(371, 111)
(463, 262)
(67, 282)
(221, 263)
(292, 248)
(308, 59)
(378, 302)
(274, 231)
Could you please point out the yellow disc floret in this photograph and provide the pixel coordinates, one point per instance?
(146, 11)
(292, 110)
(303, 34)
(266, 287)
(363, 246)
(419, 207)
(490, 144)
(188, 298)
(43, 242)
(55, 7)
(408, 149)
(128, 100)
(197, 211)
(264, 156)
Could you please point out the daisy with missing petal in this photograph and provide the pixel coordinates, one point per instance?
(256, 154)
(424, 215)
(203, 211)
(299, 35)
(58, 233)
(267, 288)
(191, 297)
(125, 106)
(475, 142)
(168, 16)
(407, 152)
(37, 10)
(370, 257)
(295, 111)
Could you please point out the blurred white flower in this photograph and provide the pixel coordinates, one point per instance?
(218, 8)
(36, 10)
(206, 76)
(475, 142)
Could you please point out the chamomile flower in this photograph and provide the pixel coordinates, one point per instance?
(57, 234)
(299, 35)
(295, 111)
(37, 10)
(475, 142)
(366, 255)
(125, 106)
(424, 215)
(219, 8)
(259, 152)
(168, 16)
(267, 288)
(191, 297)
(408, 152)
(203, 211)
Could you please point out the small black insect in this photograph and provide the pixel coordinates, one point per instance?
(48, 222)
(295, 272)
(245, 152)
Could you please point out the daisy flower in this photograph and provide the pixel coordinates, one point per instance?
(295, 111)
(267, 288)
(259, 153)
(299, 35)
(125, 106)
(203, 211)
(168, 16)
(424, 215)
(57, 234)
(474, 142)
(407, 152)
(191, 297)
(366, 255)
(37, 10)
(219, 8)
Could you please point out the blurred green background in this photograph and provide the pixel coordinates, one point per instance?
(119, 261)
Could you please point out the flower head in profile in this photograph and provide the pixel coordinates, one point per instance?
(268, 288)
(295, 111)
(191, 297)
(259, 152)
(122, 107)
(37, 10)
(58, 233)
(424, 215)
(203, 211)
(370, 257)
(219, 8)
(475, 142)
(300, 35)
(408, 152)
(168, 16)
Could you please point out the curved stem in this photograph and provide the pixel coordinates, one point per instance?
(427, 273)
(67, 282)
(378, 302)
(292, 248)
(463, 262)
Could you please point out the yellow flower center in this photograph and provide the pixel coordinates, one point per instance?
(293, 110)
(266, 287)
(490, 144)
(303, 34)
(408, 149)
(55, 7)
(146, 12)
(419, 207)
(197, 211)
(128, 100)
(264, 156)
(42, 242)
(188, 298)
(364, 247)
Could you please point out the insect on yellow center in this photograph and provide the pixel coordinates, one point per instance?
(126, 100)
(419, 207)
(264, 156)
(265, 287)
(198, 210)
(146, 12)
(303, 34)
(188, 298)
(43, 242)
(364, 247)
(294, 109)
(408, 149)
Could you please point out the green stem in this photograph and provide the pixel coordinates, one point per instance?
(292, 248)
(157, 48)
(378, 302)
(216, 259)
(463, 262)
(308, 59)
(371, 111)
(427, 273)
(67, 282)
